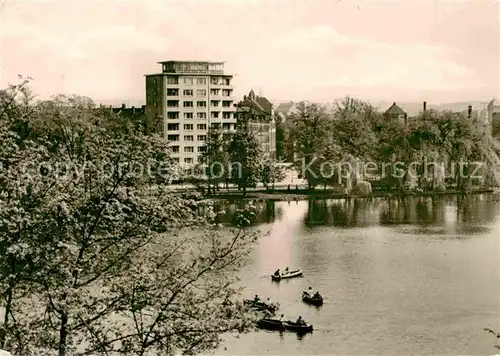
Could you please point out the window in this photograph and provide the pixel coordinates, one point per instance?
(173, 115)
(188, 80)
(201, 126)
(188, 127)
(188, 104)
(173, 127)
(173, 137)
(189, 149)
(215, 126)
(201, 81)
(188, 92)
(172, 92)
(202, 149)
(175, 149)
(226, 103)
(226, 115)
(227, 81)
(155, 81)
(173, 80)
(201, 104)
(176, 159)
(214, 91)
(189, 138)
(201, 137)
(155, 103)
(214, 81)
(226, 126)
(214, 103)
(215, 114)
(188, 115)
(226, 92)
(201, 115)
(188, 160)
(201, 92)
(172, 103)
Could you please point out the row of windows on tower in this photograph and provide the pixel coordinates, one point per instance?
(189, 138)
(198, 81)
(200, 127)
(188, 149)
(199, 104)
(199, 92)
(200, 115)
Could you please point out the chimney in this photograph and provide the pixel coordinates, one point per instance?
(123, 106)
(425, 106)
(469, 112)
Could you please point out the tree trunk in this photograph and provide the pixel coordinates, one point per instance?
(244, 190)
(63, 335)
(8, 307)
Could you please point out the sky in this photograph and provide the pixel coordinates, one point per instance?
(439, 51)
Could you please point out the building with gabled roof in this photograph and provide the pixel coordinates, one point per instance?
(396, 113)
(256, 115)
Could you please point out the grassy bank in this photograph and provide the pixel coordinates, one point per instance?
(285, 195)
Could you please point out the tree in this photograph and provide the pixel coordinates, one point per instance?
(280, 138)
(353, 127)
(215, 158)
(309, 134)
(97, 263)
(271, 173)
(244, 152)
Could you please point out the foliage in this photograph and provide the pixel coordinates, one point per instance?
(245, 157)
(421, 152)
(280, 138)
(94, 261)
(215, 158)
(271, 173)
(309, 133)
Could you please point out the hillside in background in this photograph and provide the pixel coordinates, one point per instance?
(412, 108)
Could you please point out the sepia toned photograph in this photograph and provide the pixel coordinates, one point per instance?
(249, 177)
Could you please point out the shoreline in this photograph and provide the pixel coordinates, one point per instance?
(317, 195)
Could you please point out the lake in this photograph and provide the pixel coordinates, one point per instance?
(402, 276)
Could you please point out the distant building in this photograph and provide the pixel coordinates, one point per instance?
(493, 120)
(396, 113)
(188, 98)
(256, 115)
(284, 110)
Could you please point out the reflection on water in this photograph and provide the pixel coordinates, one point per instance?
(418, 211)
(399, 276)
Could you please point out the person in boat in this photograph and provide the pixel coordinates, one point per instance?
(300, 321)
(277, 273)
(256, 299)
(282, 317)
(317, 295)
(286, 270)
(308, 293)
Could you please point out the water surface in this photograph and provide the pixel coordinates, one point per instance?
(408, 276)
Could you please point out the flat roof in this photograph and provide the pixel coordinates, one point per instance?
(197, 62)
(187, 74)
